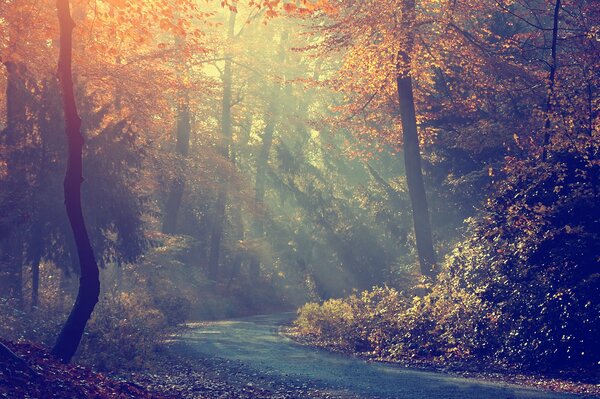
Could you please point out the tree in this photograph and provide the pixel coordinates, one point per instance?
(412, 152)
(182, 147)
(89, 282)
(262, 158)
(225, 150)
(378, 43)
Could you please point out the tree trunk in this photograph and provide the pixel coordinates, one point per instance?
(261, 174)
(182, 148)
(551, 80)
(89, 282)
(216, 235)
(262, 159)
(13, 137)
(7, 355)
(412, 154)
(226, 138)
(236, 210)
(35, 283)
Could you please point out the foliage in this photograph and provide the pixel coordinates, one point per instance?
(386, 324)
(292, 159)
(125, 329)
(533, 259)
(522, 288)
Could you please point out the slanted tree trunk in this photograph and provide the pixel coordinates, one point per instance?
(7, 354)
(412, 153)
(182, 148)
(89, 282)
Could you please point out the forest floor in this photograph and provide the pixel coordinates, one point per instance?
(256, 350)
(183, 371)
(178, 378)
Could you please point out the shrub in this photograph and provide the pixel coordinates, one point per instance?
(522, 288)
(532, 258)
(123, 333)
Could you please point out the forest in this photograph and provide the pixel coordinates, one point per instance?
(299, 199)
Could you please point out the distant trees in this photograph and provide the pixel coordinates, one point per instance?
(313, 143)
(378, 45)
(113, 157)
(508, 98)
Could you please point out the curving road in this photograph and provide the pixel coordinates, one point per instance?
(256, 345)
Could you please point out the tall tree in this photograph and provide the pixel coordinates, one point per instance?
(262, 158)
(182, 148)
(377, 78)
(412, 152)
(551, 78)
(225, 147)
(89, 282)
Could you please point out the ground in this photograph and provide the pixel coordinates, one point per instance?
(250, 358)
(179, 379)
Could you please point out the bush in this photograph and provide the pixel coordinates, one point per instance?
(386, 324)
(522, 288)
(533, 259)
(123, 333)
(127, 325)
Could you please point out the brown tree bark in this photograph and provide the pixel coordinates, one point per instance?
(89, 282)
(412, 152)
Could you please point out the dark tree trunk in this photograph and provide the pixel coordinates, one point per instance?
(551, 79)
(35, 283)
(89, 282)
(182, 148)
(226, 138)
(412, 153)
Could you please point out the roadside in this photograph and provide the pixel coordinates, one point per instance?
(587, 385)
(255, 349)
(212, 378)
(174, 377)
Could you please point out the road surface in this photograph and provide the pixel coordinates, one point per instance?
(256, 345)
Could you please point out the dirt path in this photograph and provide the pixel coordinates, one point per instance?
(253, 348)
